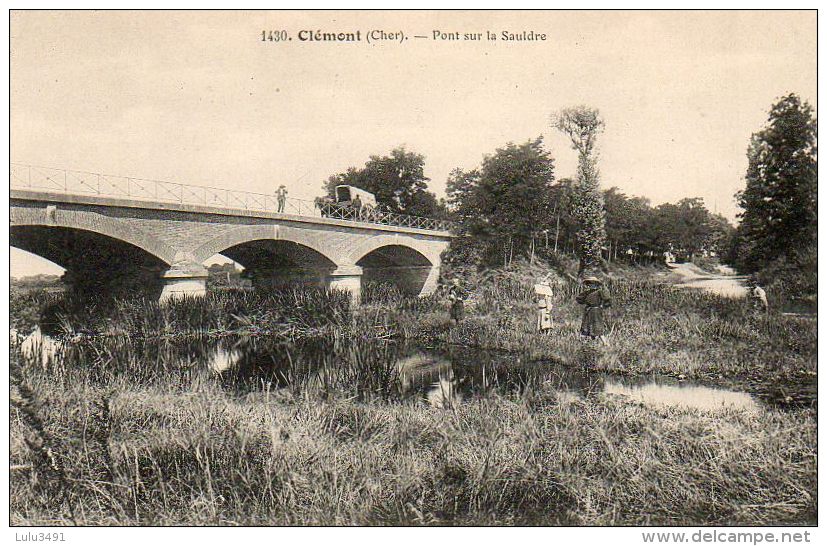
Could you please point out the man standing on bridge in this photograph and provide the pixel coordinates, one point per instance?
(357, 207)
(281, 196)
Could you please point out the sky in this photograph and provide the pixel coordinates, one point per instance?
(199, 98)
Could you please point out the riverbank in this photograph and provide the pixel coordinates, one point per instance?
(655, 328)
(114, 431)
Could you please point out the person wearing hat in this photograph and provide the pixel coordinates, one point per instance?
(595, 297)
(281, 196)
(457, 298)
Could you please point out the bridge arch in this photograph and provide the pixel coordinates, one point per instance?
(107, 226)
(247, 234)
(96, 265)
(376, 242)
(275, 256)
(406, 263)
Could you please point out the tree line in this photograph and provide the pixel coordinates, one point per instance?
(513, 206)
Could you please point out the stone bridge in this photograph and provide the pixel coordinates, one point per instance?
(114, 243)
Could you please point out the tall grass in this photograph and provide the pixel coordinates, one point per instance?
(655, 328)
(292, 311)
(140, 433)
(206, 456)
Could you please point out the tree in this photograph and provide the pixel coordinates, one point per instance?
(780, 217)
(398, 181)
(506, 203)
(464, 204)
(628, 222)
(564, 225)
(582, 125)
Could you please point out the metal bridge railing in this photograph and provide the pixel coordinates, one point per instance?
(32, 177)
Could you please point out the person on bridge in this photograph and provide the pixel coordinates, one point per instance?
(357, 207)
(281, 196)
(457, 298)
(595, 297)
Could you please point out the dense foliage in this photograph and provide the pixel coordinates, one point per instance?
(511, 207)
(581, 125)
(778, 231)
(501, 206)
(397, 180)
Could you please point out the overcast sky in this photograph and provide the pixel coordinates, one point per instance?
(199, 98)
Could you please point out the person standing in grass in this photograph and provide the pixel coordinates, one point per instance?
(457, 298)
(595, 297)
(544, 305)
(758, 296)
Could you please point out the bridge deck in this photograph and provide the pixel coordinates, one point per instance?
(60, 185)
(55, 197)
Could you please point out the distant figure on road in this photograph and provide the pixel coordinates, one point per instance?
(281, 196)
(457, 298)
(758, 296)
(595, 297)
(544, 305)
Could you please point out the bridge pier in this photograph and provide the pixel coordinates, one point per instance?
(184, 279)
(347, 278)
(431, 281)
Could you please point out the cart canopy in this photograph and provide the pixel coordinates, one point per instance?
(346, 194)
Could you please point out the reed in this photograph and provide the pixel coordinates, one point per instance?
(138, 432)
(206, 456)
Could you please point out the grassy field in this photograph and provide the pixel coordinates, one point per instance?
(110, 439)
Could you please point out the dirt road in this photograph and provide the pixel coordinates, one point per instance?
(691, 276)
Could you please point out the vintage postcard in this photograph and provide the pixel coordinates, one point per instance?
(414, 268)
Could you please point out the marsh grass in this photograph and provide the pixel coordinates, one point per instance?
(201, 455)
(145, 437)
(654, 328)
(286, 312)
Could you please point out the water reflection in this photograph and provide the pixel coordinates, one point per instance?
(429, 375)
(249, 362)
(442, 377)
(660, 393)
(224, 358)
(445, 377)
(40, 347)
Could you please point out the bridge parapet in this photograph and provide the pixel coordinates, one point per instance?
(81, 183)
